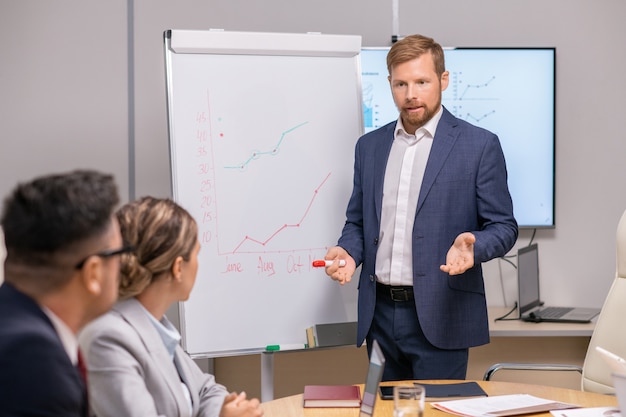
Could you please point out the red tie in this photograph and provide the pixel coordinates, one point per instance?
(81, 367)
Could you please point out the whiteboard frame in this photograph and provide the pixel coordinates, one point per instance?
(238, 43)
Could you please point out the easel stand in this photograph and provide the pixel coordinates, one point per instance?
(267, 376)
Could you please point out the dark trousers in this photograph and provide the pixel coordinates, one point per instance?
(408, 355)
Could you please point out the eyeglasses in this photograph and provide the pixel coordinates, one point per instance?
(106, 254)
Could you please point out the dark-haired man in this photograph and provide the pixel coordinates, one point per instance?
(61, 272)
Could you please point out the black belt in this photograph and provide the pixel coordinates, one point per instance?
(395, 292)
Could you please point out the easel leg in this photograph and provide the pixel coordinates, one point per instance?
(267, 376)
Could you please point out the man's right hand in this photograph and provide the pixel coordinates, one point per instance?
(341, 274)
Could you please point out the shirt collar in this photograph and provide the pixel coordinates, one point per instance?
(430, 127)
(168, 333)
(68, 338)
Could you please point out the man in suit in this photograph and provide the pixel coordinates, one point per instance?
(430, 203)
(61, 272)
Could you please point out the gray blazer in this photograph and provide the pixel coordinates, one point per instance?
(131, 373)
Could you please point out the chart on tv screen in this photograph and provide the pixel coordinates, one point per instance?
(508, 91)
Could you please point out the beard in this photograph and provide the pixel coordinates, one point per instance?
(417, 120)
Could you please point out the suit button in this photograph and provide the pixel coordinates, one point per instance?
(372, 278)
(376, 241)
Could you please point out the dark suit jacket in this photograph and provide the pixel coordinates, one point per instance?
(37, 377)
(464, 189)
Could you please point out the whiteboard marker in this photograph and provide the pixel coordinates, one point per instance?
(324, 263)
(292, 346)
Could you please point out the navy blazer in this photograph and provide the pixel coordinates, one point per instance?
(37, 377)
(464, 190)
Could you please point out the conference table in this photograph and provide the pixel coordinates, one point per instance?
(292, 406)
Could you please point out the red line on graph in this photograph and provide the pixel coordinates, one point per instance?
(285, 226)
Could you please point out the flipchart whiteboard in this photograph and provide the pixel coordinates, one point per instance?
(262, 130)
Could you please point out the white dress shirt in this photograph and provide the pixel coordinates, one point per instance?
(403, 179)
(67, 336)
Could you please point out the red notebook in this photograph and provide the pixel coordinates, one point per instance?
(332, 396)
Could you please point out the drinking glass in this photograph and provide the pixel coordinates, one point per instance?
(408, 401)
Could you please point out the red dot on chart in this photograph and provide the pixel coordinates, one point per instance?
(221, 135)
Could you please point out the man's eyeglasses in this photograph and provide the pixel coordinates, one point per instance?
(106, 254)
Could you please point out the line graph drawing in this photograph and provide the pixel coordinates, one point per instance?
(469, 87)
(272, 152)
(236, 228)
(468, 101)
(263, 242)
(460, 91)
(478, 119)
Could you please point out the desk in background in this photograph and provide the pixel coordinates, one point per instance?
(518, 328)
(511, 341)
(292, 406)
(518, 341)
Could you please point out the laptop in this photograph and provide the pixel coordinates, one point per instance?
(531, 308)
(374, 376)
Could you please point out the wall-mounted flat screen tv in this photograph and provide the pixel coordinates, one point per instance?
(508, 91)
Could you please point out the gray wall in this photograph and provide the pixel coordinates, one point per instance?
(65, 75)
(64, 94)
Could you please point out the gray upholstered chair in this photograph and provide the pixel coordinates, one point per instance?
(608, 333)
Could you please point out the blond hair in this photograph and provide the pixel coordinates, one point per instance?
(414, 46)
(160, 231)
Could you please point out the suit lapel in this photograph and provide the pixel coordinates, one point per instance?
(185, 373)
(444, 140)
(383, 147)
(134, 314)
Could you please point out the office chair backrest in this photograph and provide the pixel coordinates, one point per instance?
(609, 331)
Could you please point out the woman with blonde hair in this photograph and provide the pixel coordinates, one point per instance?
(135, 364)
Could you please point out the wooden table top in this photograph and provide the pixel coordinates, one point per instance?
(292, 406)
